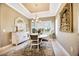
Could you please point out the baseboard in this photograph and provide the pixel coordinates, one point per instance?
(5, 47)
(62, 48)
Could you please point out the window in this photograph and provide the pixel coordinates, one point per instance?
(42, 27)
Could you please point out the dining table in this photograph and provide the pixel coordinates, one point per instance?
(40, 35)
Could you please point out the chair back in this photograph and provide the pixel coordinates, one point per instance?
(34, 37)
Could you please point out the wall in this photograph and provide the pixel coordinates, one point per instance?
(68, 40)
(0, 22)
(7, 19)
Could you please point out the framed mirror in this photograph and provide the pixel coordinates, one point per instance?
(20, 24)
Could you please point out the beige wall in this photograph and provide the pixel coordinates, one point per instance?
(30, 25)
(69, 40)
(0, 22)
(7, 18)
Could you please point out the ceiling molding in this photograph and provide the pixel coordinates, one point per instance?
(19, 8)
(24, 11)
(54, 7)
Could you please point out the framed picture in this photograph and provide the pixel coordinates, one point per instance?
(66, 18)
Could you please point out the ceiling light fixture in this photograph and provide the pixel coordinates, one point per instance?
(32, 21)
(35, 18)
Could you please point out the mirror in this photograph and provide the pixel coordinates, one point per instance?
(20, 24)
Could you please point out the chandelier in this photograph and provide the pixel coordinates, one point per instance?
(35, 19)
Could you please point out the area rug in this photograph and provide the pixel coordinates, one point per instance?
(46, 49)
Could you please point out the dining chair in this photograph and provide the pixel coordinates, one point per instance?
(34, 42)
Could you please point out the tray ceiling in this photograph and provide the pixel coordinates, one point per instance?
(36, 7)
(30, 10)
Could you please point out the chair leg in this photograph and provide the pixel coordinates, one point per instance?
(30, 47)
(38, 47)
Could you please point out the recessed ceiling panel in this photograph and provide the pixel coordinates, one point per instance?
(37, 7)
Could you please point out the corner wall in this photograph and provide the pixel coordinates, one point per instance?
(69, 41)
(7, 23)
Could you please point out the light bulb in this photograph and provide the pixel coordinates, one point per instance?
(36, 20)
(32, 20)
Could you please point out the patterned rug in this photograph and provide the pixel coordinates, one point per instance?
(46, 49)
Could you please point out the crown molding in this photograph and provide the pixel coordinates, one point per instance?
(54, 7)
